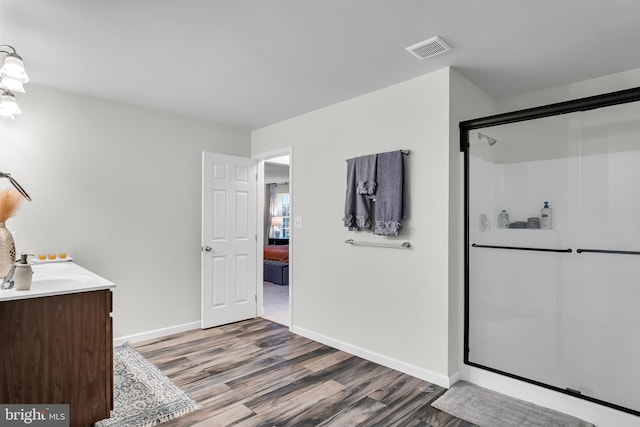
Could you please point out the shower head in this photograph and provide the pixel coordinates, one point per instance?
(490, 140)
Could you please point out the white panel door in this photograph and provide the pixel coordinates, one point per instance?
(229, 216)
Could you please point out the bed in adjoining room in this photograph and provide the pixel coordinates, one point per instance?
(276, 264)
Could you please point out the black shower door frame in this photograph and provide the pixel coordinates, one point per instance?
(566, 107)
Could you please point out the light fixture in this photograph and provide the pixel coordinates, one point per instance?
(12, 79)
(8, 106)
(15, 184)
(12, 85)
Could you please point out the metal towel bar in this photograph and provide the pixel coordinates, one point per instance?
(399, 245)
(405, 152)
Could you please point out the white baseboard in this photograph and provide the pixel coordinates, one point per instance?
(407, 368)
(454, 379)
(156, 333)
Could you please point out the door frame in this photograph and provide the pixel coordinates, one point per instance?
(261, 158)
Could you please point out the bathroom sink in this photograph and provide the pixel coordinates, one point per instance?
(60, 274)
(52, 268)
(58, 280)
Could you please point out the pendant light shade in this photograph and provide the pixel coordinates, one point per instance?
(8, 106)
(11, 85)
(6, 115)
(13, 69)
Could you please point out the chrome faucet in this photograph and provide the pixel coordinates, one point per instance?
(7, 283)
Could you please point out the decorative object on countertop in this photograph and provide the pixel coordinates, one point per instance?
(9, 202)
(59, 257)
(23, 274)
(13, 77)
(142, 394)
(7, 250)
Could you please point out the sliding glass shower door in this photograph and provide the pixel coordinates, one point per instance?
(555, 300)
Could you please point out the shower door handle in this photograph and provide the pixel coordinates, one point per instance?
(520, 248)
(607, 251)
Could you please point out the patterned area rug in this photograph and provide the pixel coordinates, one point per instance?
(143, 395)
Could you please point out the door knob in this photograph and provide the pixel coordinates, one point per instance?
(207, 248)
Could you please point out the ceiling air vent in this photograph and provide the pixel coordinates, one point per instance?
(428, 48)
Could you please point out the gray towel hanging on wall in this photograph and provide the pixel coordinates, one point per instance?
(378, 177)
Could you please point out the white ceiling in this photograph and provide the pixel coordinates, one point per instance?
(251, 63)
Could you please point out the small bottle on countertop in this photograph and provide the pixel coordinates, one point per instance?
(23, 275)
(503, 219)
(545, 217)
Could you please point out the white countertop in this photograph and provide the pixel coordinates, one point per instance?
(58, 279)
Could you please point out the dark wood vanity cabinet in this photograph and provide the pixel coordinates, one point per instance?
(59, 349)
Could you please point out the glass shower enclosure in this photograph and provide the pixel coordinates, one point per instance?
(552, 296)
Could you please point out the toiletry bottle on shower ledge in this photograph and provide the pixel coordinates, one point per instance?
(503, 219)
(545, 217)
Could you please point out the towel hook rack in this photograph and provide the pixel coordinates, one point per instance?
(399, 245)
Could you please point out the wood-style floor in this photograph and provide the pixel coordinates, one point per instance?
(257, 373)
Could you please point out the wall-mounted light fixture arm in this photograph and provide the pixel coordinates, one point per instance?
(13, 50)
(15, 184)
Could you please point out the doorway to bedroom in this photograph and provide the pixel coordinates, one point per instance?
(277, 232)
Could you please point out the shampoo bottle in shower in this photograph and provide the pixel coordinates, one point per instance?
(503, 219)
(545, 217)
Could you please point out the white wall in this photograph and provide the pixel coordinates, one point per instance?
(390, 305)
(597, 86)
(119, 189)
(467, 102)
